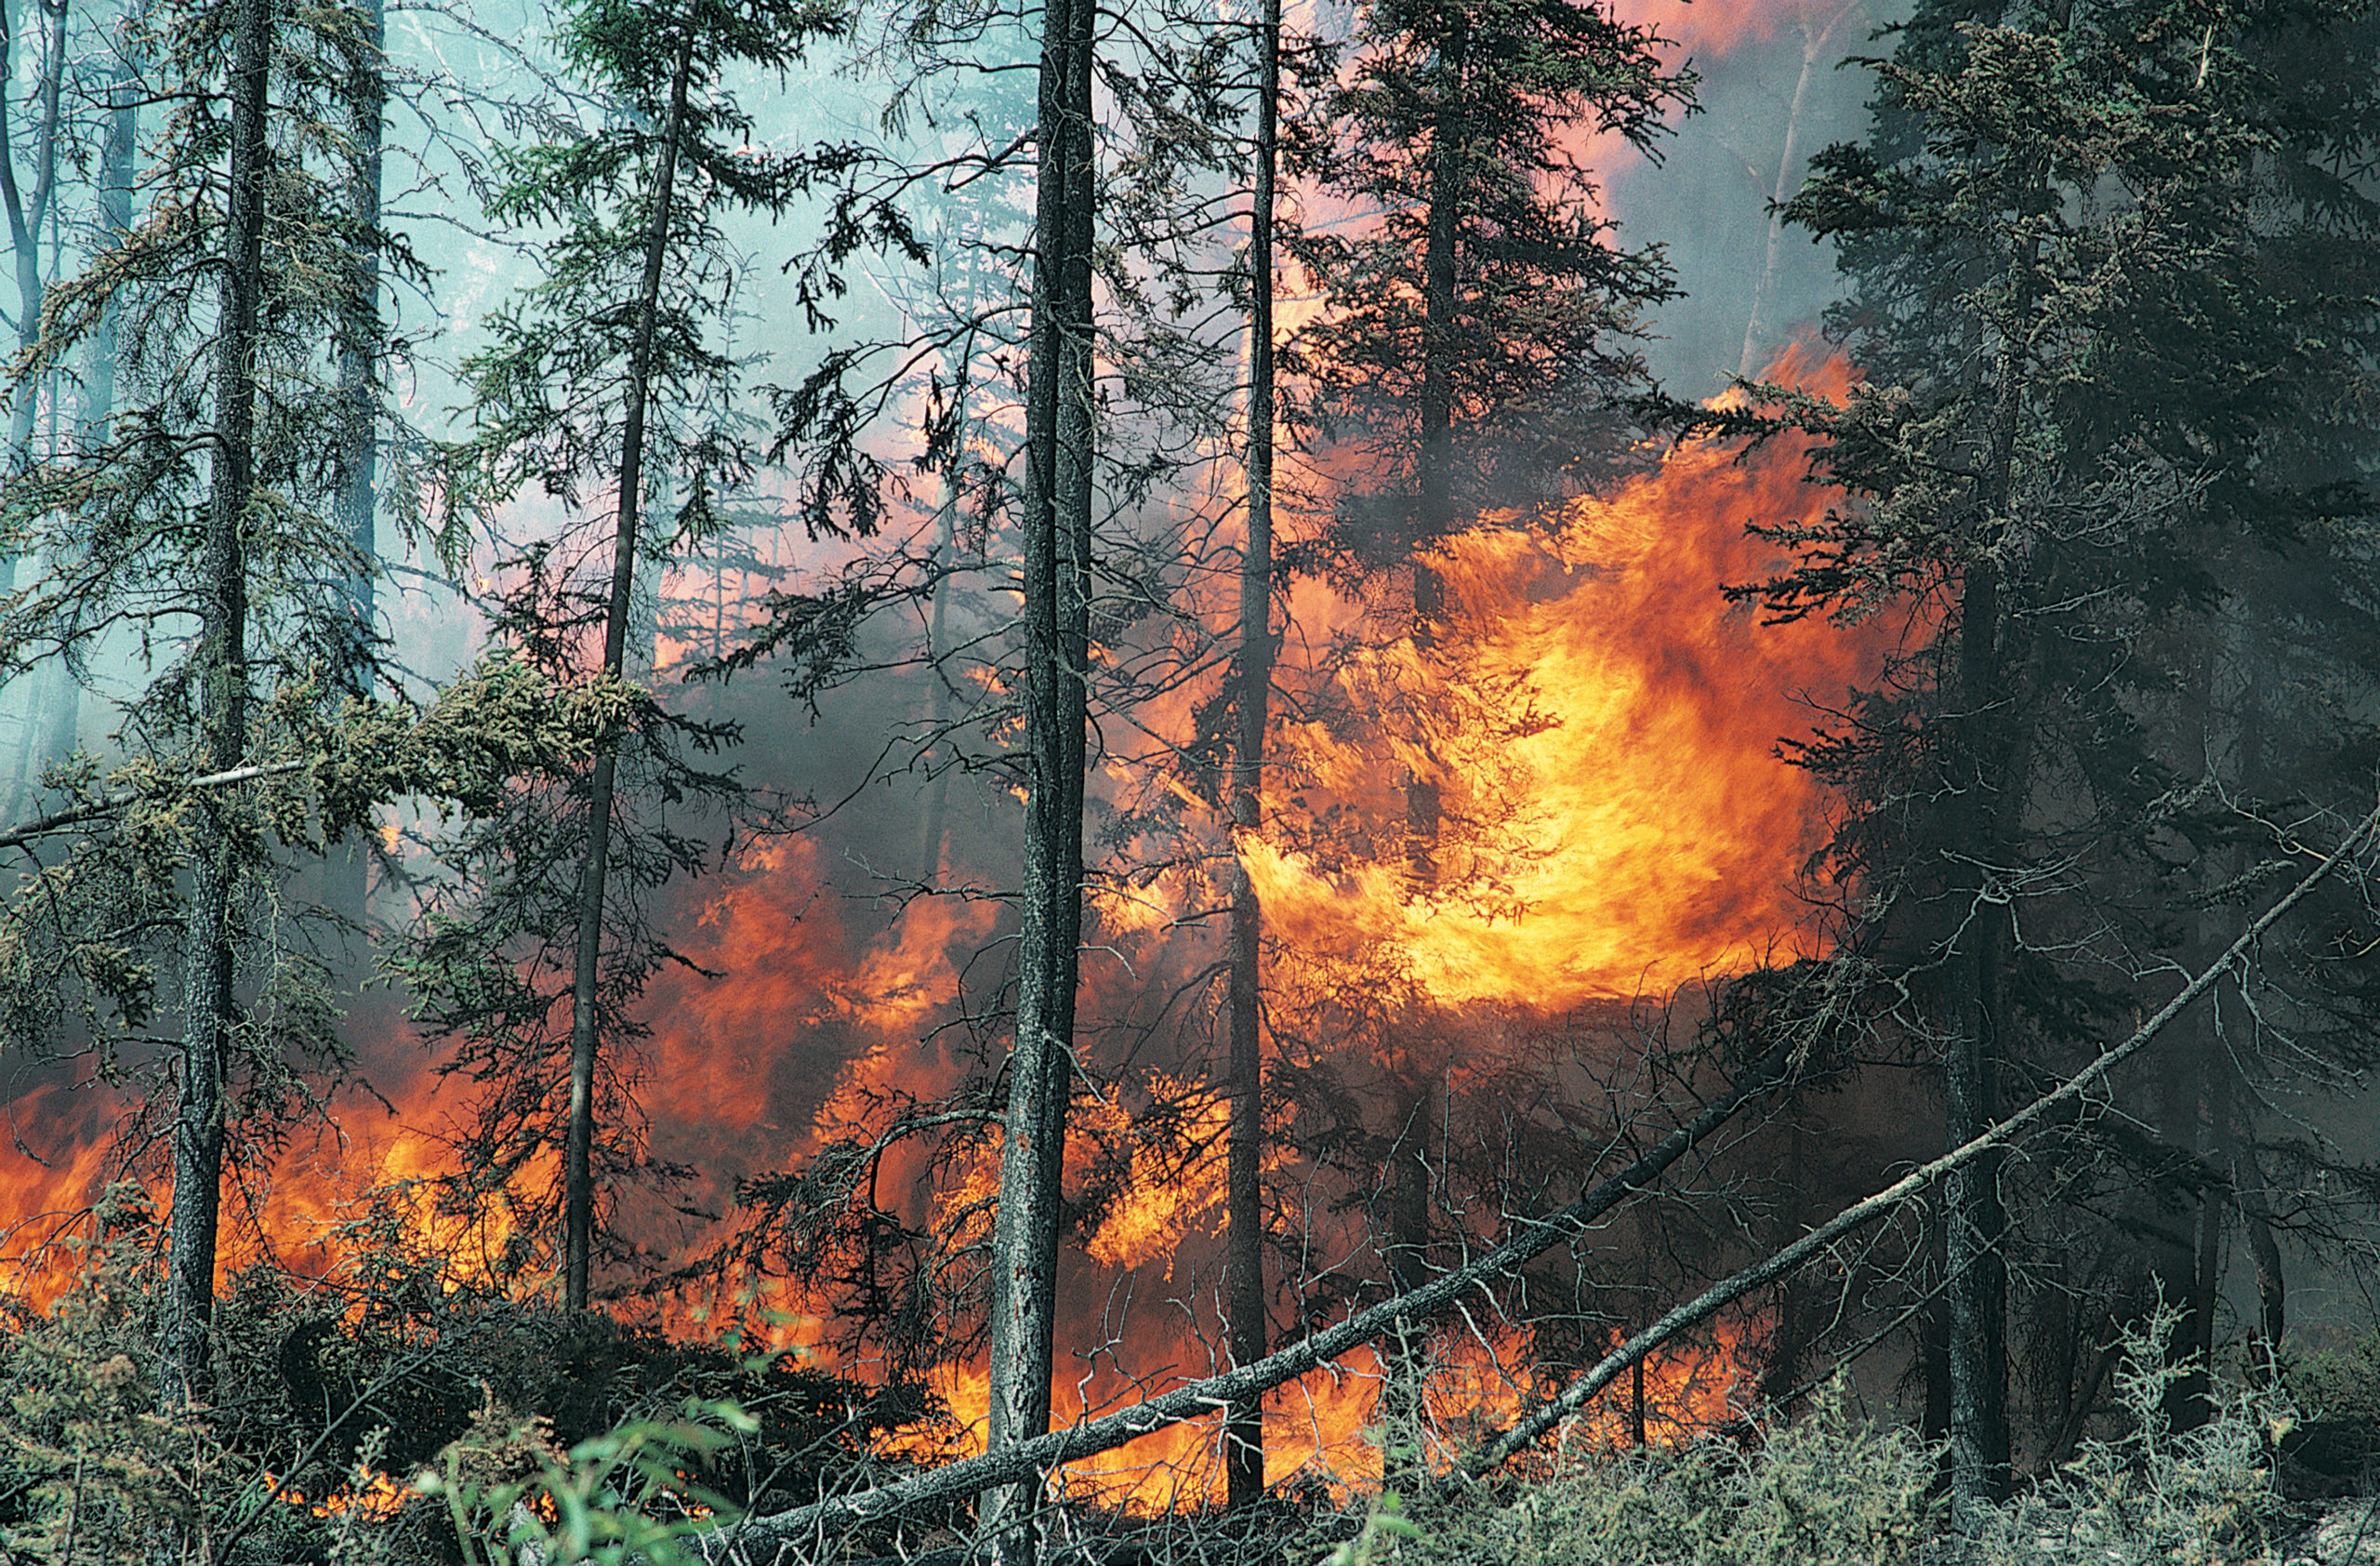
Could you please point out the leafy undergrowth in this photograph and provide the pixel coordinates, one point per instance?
(415, 1425)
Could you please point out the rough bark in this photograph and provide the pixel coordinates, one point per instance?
(1987, 769)
(578, 1174)
(1975, 1221)
(1243, 1192)
(220, 668)
(1057, 564)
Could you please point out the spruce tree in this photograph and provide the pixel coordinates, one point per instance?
(606, 383)
(1478, 327)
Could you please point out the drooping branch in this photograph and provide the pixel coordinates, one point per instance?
(58, 820)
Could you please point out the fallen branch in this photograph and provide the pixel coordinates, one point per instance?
(42, 826)
(1029, 1460)
(1858, 1215)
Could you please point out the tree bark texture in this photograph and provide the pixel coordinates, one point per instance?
(1976, 1221)
(1057, 626)
(221, 668)
(1243, 1180)
(578, 1154)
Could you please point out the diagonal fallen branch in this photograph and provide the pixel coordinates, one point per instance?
(1859, 1214)
(1028, 1460)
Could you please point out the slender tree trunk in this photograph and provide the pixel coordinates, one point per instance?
(1243, 1184)
(578, 1156)
(2272, 1285)
(1986, 772)
(221, 668)
(25, 218)
(1433, 482)
(1407, 1196)
(1757, 329)
(938, 683)
(359, 448)
(1057, 567)
(62, 708)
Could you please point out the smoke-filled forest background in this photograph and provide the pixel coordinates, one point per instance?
(750, 747)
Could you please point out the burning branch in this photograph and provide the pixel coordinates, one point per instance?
(1028, 1460)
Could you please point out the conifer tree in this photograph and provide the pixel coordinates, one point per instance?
(2086, 344)
(181, 546)
(606, 384)
(1478, 330)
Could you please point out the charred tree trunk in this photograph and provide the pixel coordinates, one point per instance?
(357, 351)
(578, 1154)
(945, 548)
(1244, 1193)
(1406, 1193)
(220, 671)
(1057, 603)
(2272, 1287)
(1433, 477)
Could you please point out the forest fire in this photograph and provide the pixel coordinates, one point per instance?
(1649, 836)
(1598, 718)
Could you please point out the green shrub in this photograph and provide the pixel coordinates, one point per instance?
(2206, 1497)
(1826, 1490)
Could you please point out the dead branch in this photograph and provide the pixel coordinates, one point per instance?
(42, 826)
(1028, 1460)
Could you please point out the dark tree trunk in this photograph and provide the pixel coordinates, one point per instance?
(358, 349)
(578, 1156)
(220, 670)
(1406, 1195)
(2272, 1284)
(1986, 772)
(1244, 1193)
(1433, 477)
(1057, 584)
